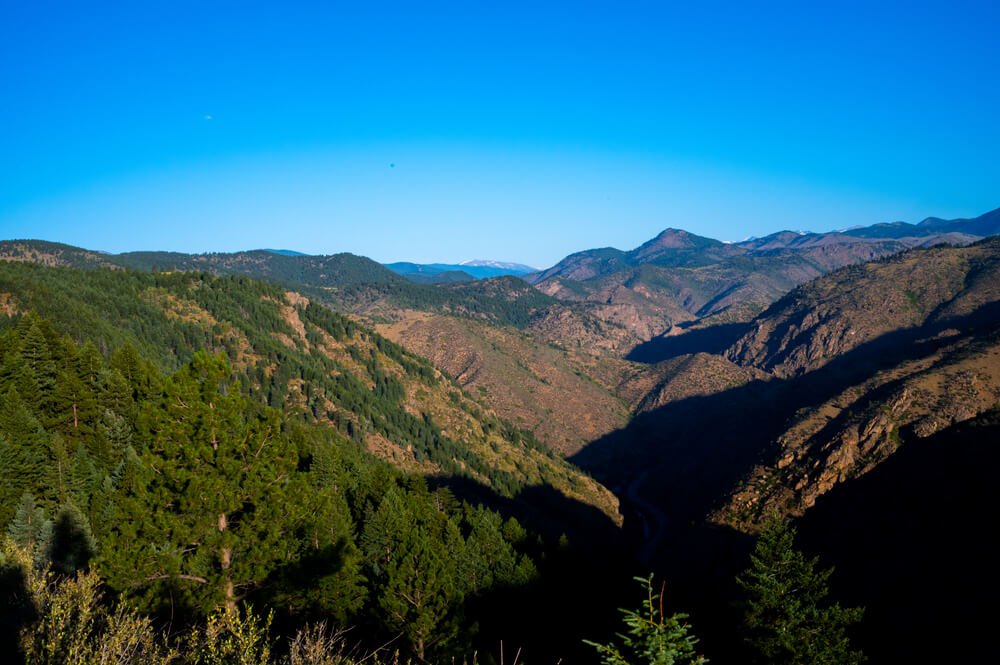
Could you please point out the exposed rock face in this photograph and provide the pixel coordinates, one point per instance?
(854, 432)
(927, 323)
(829, 317)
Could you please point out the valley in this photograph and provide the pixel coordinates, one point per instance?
(667, 401)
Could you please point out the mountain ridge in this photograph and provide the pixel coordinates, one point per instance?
(679, 277)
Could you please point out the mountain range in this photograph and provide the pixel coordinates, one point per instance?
(679, 277)
(690, 387)
(610, 314)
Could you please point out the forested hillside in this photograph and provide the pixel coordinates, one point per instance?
(292, 354)
(202, 442)
(187, 496)
(369, 292)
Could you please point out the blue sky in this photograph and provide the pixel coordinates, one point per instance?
(517, 131)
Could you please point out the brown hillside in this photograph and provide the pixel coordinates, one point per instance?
(530, 383)
(830, 316)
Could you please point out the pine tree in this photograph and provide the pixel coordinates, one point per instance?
(652, 638)
(209, 491)
(37, 355)
(419, 591)
(788, 617)
(488, 559)
(24, 455)
(31, 530)
(73, 407)
(413, 551)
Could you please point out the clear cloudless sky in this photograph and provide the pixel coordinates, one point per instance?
(433, 131)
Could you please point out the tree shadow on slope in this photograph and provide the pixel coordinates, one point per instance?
(17, 611)
(713, 339)
(584, 569)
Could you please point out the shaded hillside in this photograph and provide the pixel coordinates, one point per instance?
(906, 346)
(714, 439)
(313, 363)
(910, 542)
(718, 447)
(940, 376)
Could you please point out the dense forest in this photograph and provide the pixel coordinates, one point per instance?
(182, 493)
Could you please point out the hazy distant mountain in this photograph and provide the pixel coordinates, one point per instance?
(512, 268)
(982, 226)
(446, 277)
(479, 269)
(286, 252)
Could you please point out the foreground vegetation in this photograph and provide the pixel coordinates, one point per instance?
(68, 619)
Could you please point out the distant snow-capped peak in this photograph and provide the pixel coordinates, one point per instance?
(502, 265)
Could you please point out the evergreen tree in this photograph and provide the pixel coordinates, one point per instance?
(73, 406)
(24, 455)
(37, 356)
(788, 616)
(413, 550)
(488, 560)
(651, 638)
(31, 530)
(419, 591)
(327, 578)
(208, 509)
